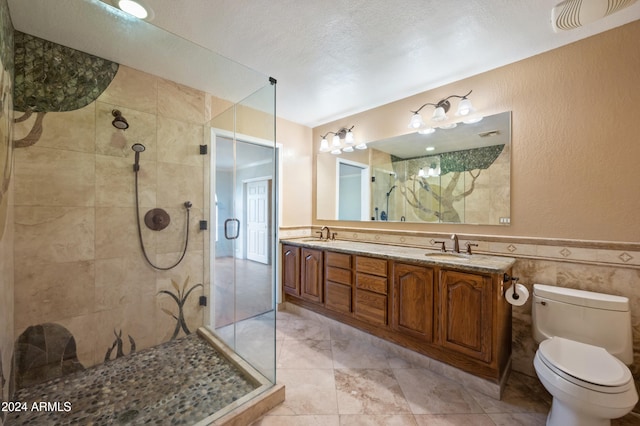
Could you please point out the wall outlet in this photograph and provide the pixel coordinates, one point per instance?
(505, 220)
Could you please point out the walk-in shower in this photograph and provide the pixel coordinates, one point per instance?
(92, 306)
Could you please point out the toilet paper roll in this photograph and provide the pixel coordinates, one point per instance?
(520, 297)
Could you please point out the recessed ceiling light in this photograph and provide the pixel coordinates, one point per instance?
(133, 8)
(431, 148)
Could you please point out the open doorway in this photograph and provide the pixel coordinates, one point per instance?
(353, 190)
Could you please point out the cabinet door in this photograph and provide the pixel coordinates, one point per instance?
(413, 300)
(291, 269)
(466, 313)
(311, 275)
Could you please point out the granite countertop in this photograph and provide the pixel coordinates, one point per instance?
(461, 261)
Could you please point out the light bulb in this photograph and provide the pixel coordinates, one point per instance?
(349, 138)
(464, 107)
(416, 121)
(324, 145)
(439, 114)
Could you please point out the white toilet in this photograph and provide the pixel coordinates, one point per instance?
(585, 342)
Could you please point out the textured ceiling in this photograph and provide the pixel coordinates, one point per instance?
(331, 58)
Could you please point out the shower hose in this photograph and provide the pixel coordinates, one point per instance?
(187, 205)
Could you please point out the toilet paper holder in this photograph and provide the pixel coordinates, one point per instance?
(506, 278)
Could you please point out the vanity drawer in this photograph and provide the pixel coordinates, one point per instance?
(371, 307)
(342, 276)
(338, 297)
(371, 283)
(339, 260)
(370, 265)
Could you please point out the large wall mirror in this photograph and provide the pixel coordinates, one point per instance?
(454, 175)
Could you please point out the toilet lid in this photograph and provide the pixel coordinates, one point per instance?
(585, 362)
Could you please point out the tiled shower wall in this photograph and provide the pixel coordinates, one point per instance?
(6, 206)
(78, 262)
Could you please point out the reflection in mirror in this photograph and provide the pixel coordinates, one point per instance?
(455, 175)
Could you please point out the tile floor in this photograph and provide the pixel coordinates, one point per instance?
(333, 379)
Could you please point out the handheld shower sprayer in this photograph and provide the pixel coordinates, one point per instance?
(156, 219)
(138, 148)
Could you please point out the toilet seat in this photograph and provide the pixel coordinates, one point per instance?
(585, 365)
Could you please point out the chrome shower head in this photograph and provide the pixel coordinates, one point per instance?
(119, 122)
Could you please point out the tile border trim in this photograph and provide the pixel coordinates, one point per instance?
(602, 253)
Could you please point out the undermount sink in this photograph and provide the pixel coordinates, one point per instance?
(449, 256)
(313, 240)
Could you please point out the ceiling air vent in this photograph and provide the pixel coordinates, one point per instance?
(571, 14)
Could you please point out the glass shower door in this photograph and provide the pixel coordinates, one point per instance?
(243, 213)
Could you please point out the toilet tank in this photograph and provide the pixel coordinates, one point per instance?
(595, 318)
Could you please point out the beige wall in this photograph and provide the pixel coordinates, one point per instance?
(297, 165)
(575, 143)
(575, 181)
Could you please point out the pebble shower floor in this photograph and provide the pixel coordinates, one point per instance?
(176, 383)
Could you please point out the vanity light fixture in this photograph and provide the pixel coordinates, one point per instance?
(440, 113)
(337, 145)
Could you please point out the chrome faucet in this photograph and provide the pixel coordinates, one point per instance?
(456, 244)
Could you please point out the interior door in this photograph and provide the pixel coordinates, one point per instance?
(258, 220)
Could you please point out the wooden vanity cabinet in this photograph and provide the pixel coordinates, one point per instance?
(291, 269)
(338, 282)
(456, 316)
(311, 287)
(371, 290)
(466, 313)
(413, 301)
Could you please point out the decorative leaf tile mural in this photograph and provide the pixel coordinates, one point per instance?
(180, 297)
(51, 77)
(45, 351)
(118, 345)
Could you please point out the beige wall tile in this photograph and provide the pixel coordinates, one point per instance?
(53, 234)
(115, 182)
(180, 102)
(117, 234)
(54, 177)
(51, 292)
(122, 281)
(178, 183)
(179, 142)
(116, 142)
(64, 130)
(135, 89)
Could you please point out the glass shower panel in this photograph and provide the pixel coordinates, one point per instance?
(243, 186)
